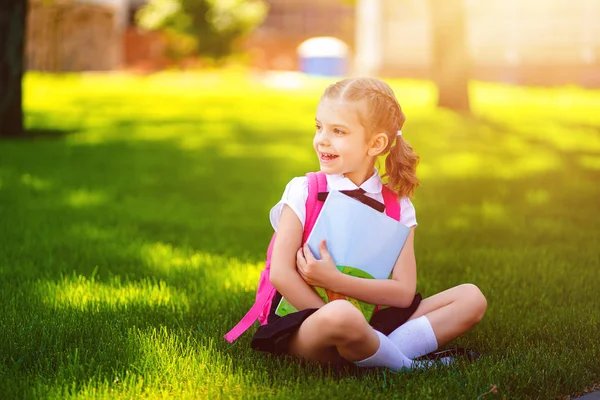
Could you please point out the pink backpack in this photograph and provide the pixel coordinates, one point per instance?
(265, 293)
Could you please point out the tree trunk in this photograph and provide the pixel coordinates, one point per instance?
(13, 14)
(450, 58)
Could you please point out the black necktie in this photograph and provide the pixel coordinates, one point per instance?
(358, 194)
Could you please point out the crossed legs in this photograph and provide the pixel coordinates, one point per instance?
(453, 311)
(336, 328)
(339, 328)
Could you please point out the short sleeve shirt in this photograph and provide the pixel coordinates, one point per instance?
(296, 194)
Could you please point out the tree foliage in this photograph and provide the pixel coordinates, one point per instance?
(210, 27)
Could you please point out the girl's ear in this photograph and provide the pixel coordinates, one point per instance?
(378, 143)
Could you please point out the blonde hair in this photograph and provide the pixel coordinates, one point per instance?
(384, 115)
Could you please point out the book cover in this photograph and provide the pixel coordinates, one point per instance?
(361, 241)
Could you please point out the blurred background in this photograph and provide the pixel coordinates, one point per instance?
(543, 43)
(533, 42)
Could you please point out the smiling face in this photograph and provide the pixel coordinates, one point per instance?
(341, 141)
(358, 120)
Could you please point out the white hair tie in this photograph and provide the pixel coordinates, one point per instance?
(399, 133)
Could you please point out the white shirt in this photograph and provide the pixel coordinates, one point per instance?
(296, 194)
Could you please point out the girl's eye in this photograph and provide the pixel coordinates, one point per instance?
(339, 132)
(318, 127)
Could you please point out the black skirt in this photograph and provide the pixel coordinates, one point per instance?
(275, 336)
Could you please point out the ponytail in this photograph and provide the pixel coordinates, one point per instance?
(401, 168)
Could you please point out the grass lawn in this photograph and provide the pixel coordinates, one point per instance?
(134, 225)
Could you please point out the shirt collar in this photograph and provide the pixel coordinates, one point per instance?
(339, 182)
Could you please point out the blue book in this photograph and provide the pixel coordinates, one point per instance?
(362, 242)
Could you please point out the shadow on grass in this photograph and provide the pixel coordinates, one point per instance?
(40, 134)
(37, 133)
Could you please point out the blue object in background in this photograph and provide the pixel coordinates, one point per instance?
(323, 66)
(323, 56)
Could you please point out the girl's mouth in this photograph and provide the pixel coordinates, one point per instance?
(327, 157)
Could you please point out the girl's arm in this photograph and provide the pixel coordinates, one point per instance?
(284, 275)
(398, 291)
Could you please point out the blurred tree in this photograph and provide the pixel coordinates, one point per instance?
(450, 59)
(449, 56)
(209, 27)
(12, 40)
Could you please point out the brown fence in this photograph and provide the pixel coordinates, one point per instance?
(66, 36)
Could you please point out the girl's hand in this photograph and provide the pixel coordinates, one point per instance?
(316, 272)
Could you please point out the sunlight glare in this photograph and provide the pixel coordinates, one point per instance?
(35, 182)
(217, 271)
(82, 293)
(85, 198)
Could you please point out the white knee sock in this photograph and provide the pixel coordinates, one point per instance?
(387, 355)
(390, 355)
(415, 338)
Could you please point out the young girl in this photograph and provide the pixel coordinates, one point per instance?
(358, 120)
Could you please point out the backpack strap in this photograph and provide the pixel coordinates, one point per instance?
(392, 205)
(392, 209)
(251, 316)
(317, 182)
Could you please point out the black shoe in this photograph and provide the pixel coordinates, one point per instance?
(455, 352)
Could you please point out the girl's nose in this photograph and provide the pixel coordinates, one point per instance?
(322, 137)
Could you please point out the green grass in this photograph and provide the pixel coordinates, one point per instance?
(133, 229)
